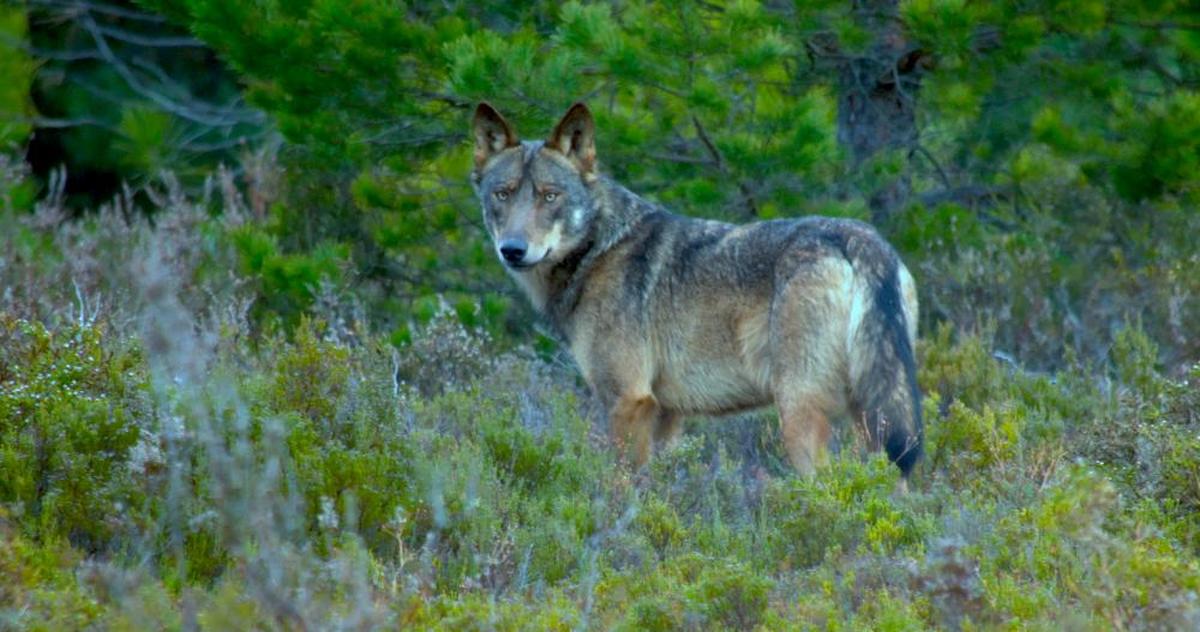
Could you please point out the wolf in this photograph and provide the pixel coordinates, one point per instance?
(669, 316)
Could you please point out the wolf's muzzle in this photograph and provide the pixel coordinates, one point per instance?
(513, 251)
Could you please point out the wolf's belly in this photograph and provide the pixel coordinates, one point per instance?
(709, 389)
(717, 364)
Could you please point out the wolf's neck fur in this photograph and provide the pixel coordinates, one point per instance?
(556, 291)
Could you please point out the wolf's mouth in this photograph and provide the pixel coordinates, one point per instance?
(525, 265)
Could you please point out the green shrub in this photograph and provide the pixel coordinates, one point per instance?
(689, 591)
(38, 585)
(660, 524)
(730, 596)
(846, 508)
(966, 442)
(1047, 552)
(286, 282)
(311, 378)
(69, 415)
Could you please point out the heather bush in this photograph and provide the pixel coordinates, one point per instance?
(171, 457)
(71, 414)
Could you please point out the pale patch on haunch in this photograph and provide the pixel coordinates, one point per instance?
(908, 291)
(853, 288)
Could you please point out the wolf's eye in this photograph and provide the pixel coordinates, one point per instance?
(501, 194)
(550, 196)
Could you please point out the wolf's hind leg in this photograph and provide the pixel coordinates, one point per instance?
(804, 424)
(632, 422)
(667, 429)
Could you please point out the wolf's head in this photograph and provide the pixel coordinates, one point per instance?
(537, 197)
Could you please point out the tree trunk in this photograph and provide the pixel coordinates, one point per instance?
(877, 100)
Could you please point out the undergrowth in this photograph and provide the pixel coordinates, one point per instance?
(167, 461)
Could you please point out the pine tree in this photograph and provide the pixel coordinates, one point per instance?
(17, 67)
(16, 111)
(119, 94)
(944, 121)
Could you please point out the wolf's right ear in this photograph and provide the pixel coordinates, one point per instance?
(493, 134)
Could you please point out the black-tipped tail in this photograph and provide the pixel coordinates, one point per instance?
(885, 389)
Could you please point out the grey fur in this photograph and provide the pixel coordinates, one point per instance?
(669, 316)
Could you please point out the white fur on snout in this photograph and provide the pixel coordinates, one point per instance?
(537, 252)
(552, 239)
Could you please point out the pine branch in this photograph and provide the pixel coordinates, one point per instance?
(84, 6)
(750, 204)
(201, 114)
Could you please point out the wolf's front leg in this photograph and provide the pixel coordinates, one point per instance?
(632, 421)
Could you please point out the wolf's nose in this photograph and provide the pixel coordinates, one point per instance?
(513, 250)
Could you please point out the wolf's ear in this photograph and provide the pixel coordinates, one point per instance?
(493, 134)
(575, 137)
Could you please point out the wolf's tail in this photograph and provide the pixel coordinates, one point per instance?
(884, 369)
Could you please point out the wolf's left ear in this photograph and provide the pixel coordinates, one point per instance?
(575, 137)
(492, 133)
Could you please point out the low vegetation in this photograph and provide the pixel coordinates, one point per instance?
(169, 460)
